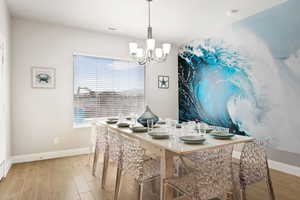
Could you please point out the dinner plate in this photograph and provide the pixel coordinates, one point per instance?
(111, 121)
(139, 129)
(178, 125)
(190, 139)
(194, 142)
(209, 130)
(221, 135)
(159, 135)
(123, 125)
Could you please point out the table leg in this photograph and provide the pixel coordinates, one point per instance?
(166, 169)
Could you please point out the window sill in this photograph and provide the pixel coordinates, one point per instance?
(82, 126)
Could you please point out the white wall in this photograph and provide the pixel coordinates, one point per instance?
(40, 115)
(5, 85)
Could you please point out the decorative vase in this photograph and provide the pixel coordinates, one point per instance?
(147, 115)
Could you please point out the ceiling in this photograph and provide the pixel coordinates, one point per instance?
(175, 21)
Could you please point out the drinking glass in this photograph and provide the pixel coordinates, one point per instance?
(202, 127)
(221, 129)
(172, 125)
(121, 117)
(133, 117)
(184, 128)
(168, 120)
(149, 125)
(192, 127)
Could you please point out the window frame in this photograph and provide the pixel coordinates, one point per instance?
(87, 125)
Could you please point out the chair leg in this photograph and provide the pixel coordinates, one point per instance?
(118, 182)
(235, 190)
(270, 189)
(229, 196)
(104, 170)
(163, 190)
(95, 161)
(153, 186)
(269, 184)
(178, 173)
(92, 150)
(243, 194)
(140, 191)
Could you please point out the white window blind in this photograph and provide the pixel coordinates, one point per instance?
(105, 87)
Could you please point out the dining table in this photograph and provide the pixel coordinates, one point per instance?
(169, 148)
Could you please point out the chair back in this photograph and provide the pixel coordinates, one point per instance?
(253, 164)
(214, 168)
(133, 157)
(101, 136)
(114, 145)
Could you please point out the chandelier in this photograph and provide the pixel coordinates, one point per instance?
(150, 53)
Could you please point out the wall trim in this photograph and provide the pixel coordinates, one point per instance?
(8, 165)
(279, 166)
(49, 155)
(289, 169)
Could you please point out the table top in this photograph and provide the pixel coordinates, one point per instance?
(174, 144)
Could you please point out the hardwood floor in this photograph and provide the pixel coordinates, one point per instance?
(70, 179)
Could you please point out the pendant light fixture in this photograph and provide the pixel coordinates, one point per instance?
(150, 53)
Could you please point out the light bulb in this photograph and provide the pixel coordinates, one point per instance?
(158, 52)
(139, 52)
(150, 44)
(133, 48)
(166, 48)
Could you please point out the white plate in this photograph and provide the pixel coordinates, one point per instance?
(192, 138)
(139, 129)
(123, 125)
(159, 135)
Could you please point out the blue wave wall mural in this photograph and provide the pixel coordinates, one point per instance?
(247, 77)
(213, 75)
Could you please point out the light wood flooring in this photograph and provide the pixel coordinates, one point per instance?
(70, 179)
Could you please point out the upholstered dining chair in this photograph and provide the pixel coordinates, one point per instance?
(209, 175)
(252, 168)
(134, 161)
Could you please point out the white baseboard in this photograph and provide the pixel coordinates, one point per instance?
(49, 155)
(7, 167)
(289, 169)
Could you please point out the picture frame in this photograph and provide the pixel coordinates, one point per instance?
(163, 82)
(43, 77)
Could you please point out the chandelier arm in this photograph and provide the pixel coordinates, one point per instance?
(142, 61)
(160, 60)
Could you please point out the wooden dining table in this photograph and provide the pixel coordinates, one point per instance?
(169, 148)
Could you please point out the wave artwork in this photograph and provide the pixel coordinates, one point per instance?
(241, 87)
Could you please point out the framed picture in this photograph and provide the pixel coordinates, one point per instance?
(163, 82)
(43, 77)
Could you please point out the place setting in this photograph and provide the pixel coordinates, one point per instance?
(112, 120)
(157, 132)
(193, 139)
(138, 129)
(221, 133)
(192, 133)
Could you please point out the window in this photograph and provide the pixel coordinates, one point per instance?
(105, 87)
